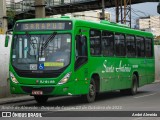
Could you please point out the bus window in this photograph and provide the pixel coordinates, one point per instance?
(120, 49)
(140, 46)
(95, 42)
(148, 47)
(131, 46)
(108, 43)
(81, 51)
(81, 46)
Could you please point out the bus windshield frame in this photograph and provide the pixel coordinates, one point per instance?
(56, 55)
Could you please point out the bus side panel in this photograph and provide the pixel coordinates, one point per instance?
(150, 71)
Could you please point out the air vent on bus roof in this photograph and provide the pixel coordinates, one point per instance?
(65, 17)
(105, 22)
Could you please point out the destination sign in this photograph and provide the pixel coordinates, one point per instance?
(53, 25)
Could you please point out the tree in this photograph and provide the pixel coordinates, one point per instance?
(11, 15)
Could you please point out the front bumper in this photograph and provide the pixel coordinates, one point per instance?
(70, 88)
(65, 89)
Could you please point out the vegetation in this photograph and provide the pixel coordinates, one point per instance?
(11, 15)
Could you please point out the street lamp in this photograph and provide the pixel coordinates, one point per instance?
(158, 7)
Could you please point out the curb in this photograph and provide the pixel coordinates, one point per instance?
(156, 81)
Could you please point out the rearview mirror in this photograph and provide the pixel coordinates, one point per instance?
(6, 40)
(7, 37)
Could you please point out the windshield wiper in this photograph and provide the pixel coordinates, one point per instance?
(50, 38)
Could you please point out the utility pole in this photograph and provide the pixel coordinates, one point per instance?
(123, 11)
(3, 17)
(40, 8)
(103, 10)
(117, 10)
(62, 3)
(158, 7)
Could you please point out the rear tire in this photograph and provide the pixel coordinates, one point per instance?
(134, 87)
(41, 99)
(90, 97)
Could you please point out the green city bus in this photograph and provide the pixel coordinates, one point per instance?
(68, 56)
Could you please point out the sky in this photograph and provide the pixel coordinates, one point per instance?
(140, 10)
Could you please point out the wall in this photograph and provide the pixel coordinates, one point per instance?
(3, 20)
(4, 66)
(157, 61)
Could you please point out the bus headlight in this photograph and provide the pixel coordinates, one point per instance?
(65, 78)
(13, 78)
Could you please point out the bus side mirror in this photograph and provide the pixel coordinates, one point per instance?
(6, 40)
(7, 37)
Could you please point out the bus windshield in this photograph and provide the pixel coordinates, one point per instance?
(41, 52)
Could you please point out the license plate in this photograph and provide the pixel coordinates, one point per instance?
(37, 92)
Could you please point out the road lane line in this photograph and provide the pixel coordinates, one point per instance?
(145, 95)
(138, 118)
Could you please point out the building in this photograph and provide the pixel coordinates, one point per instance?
(88, 15)
(10, 4)
(150, 24)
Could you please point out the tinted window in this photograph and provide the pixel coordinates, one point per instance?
(95, 42)
(120, 45)
(140, 46)
(131, 46)
(148, 47)
(108, 43)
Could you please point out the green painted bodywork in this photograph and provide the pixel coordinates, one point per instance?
(111, 70)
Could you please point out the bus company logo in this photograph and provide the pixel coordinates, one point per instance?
(120, 68)
(107, 68)
(6, 114)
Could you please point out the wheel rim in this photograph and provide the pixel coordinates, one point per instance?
(91, 90)
(135, 86)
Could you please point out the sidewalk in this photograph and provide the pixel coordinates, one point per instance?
(24, 98)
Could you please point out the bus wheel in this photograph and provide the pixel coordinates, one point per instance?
(90, 97)
(134, 87)
(41, 99)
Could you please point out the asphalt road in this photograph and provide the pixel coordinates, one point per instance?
(147, 99)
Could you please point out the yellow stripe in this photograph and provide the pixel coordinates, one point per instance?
(53, 64)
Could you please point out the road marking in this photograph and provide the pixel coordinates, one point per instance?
(138, 118)
(145, 95)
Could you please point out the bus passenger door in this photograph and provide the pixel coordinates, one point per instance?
(81, 61)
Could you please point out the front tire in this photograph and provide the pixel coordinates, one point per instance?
(90, 97)
(41, 99)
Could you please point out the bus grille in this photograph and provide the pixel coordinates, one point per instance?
(46, 90)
